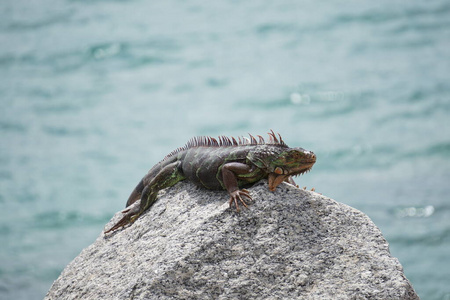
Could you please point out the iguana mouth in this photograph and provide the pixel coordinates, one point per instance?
(303, 169)
(275, 179)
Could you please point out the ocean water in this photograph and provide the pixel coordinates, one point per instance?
(93, 93)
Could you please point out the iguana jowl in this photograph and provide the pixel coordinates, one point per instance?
(225, 163)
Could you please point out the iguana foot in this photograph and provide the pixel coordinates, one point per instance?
(131, 214)
(237, 195)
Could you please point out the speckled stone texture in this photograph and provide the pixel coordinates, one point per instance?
(289, 244)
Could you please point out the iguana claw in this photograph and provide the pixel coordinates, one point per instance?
(312, 190)
(237, 195)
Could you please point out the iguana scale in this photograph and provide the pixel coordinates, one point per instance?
(224, 163)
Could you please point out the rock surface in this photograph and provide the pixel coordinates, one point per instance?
(289, 244)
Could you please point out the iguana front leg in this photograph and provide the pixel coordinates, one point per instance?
(290, 180)
(229, 172)
(168, 176)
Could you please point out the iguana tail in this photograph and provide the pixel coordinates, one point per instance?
(136, 193)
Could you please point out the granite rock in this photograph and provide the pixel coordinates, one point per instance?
(289, 244)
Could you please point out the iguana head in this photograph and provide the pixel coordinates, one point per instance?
(282, 162)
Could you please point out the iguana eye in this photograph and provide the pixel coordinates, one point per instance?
(278, 170)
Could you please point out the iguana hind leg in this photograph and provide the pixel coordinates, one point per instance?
(168, 176)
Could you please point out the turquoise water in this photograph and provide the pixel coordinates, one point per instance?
(92, 94)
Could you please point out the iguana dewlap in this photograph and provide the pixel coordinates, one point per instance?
(225, 163)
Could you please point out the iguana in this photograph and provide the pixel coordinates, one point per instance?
(223, 163)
